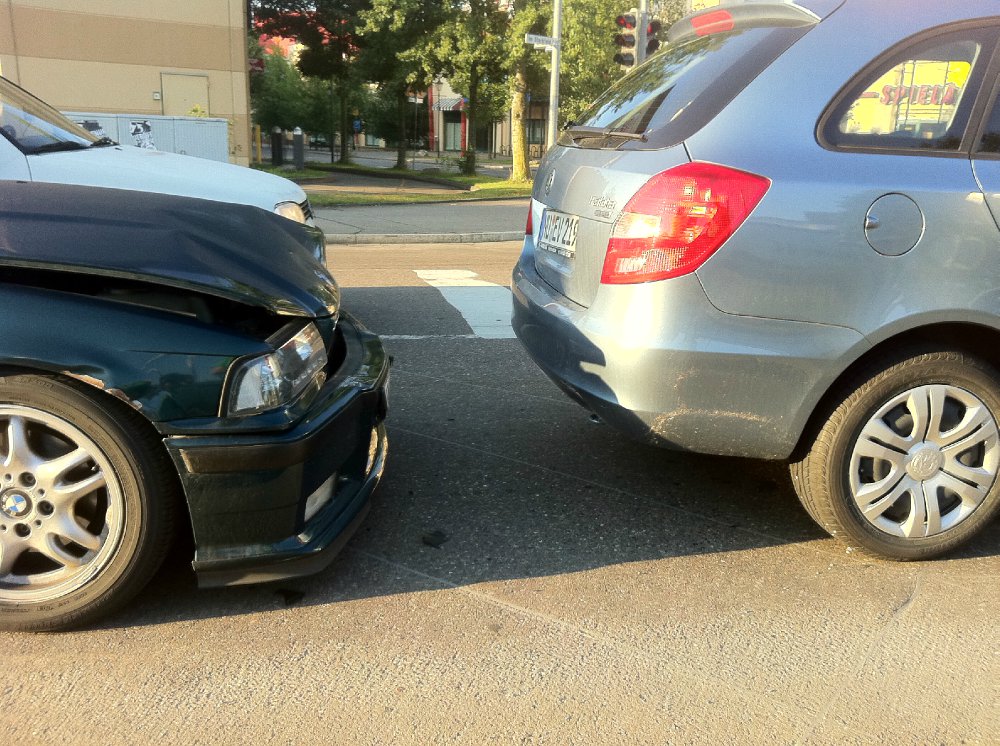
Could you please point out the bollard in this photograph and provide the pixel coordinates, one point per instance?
(298, 148)
(277, 147)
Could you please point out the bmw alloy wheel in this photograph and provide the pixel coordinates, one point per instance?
(61, 506)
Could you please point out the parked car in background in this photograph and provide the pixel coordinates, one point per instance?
(164, 364)
(40, 144)
(778, 239)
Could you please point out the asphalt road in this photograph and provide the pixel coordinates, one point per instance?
(587, 589)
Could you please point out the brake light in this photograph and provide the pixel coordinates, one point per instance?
(528, 227)
(677, 220)
(715, 22)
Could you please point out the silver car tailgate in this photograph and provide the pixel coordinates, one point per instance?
(578, 195)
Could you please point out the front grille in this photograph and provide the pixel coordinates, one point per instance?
(306, 208)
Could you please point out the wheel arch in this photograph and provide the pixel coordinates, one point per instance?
(975, 339)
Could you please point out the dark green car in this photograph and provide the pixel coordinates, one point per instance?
(169, 363)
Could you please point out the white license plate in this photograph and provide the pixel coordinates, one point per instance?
(558, 233)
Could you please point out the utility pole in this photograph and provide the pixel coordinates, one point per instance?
(554, 79)
(553, 44)
(640, 37)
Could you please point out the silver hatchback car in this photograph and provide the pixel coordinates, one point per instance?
(778, 239)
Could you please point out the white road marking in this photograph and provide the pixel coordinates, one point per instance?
(407, 337)
(485, 306)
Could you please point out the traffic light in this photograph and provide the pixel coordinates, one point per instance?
(652, 42)
(625, 39)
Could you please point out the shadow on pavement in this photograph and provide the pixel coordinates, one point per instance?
(495, 475)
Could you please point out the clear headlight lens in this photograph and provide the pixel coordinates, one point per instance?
(278, 378)
(290, 210)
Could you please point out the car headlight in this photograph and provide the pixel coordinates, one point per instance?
(291, 210)
(278, 378)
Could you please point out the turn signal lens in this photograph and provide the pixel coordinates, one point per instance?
(677, 220)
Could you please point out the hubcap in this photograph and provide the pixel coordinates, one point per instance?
(61, 506)
(925, 461)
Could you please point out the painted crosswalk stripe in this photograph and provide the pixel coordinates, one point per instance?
(485, 306)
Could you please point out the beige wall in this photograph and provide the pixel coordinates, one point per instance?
(114, 56)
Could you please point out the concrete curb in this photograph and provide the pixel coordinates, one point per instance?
(400, 238)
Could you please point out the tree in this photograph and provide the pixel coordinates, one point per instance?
(390, 29)
(277, 93)
(467, 47)
(525, 69)
(327, 31)
(588, 67)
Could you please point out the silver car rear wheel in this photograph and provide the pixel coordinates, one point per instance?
(925, 461)
(905, 466)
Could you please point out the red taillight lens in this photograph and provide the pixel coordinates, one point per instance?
(715, 22)
(677, 220)
(528, 227)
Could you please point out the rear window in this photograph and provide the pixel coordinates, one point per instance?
(677, 91)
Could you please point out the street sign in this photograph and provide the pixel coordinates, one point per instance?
(543, 41)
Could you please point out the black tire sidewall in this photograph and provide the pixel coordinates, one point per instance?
(123, 573)
(952, 369)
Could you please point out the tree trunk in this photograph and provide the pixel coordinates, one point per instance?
(332, 133)
(469, 156)
(346, 131)
(521, 171)
(401, 100)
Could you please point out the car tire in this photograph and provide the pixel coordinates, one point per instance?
(905, 467)
(87, 503)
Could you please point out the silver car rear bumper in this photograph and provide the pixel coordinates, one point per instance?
(661, 363)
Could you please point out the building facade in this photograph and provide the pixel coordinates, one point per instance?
(178, 58)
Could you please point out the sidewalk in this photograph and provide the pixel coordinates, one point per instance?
(498, 166)
(432, 222)
(456, 222)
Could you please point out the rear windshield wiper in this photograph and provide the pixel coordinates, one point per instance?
(102, 142)
(580, 130)
(55, 147)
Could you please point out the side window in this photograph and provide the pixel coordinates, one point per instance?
(918, 98)
(990, 141)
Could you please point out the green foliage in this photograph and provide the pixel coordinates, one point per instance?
(277, 95)
(402, 46)
(390, 28)
(587, 65)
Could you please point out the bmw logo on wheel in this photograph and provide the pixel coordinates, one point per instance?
(15, 504)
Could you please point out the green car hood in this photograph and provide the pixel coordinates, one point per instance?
(236, 252)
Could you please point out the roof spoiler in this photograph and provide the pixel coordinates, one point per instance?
(740, 15)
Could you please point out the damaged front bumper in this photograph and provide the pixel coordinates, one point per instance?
(269, 506)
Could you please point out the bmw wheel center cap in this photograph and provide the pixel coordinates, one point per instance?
(15, 505)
